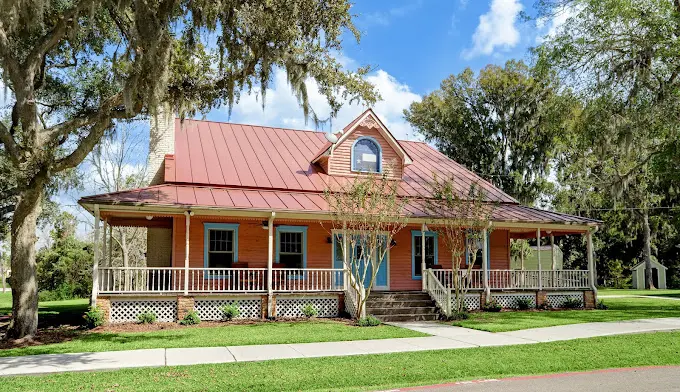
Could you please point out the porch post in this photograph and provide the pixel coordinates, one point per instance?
(110, 262)
(95, 264)
(538, 257)
(270, 265)
(552, 252)
(104, 252)
(591, 260)
(485, 262)
(423, 275)
(187, 220)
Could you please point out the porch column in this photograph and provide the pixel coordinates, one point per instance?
(95, 264)
(538, 257)
(104, 252)
(270, 265)
(552, 252)
(187, 220)
(485, 262)
(591, 260)
(110, 262)
(423, 275)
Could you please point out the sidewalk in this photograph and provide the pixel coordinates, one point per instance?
(444, 337)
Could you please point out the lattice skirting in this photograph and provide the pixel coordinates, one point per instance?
(556, 300)
(211, 309)
(509, 300)
(126, 311)
(472, 301)
(349, 306)
(292, 307)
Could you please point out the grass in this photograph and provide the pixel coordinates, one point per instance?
(619, 309)
(656, 293)
(70, 313)
(372, 372)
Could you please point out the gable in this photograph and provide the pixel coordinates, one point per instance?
(341, 157)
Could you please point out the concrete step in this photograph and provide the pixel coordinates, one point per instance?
(385, 303)
(408, 317)
(401, 311)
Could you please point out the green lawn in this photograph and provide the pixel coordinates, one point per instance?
(619, 309)
(672, 293)
(70, 313)
(375, 372)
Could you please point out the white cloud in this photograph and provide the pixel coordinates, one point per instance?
(496, 29)
(283, 110)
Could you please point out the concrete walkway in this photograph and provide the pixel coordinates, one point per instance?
(444, 337)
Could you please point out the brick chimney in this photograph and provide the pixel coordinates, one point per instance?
(161, 142)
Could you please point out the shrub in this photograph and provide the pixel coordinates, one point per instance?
(572, 303)
(230, 312)
(368, 321)
(523, 303)
(601, 305)
(94, 317)
(62, 292)
(544, 306)
(146, 317)
(309, 310)
(458, 316)
(191, 318)
(492, 306)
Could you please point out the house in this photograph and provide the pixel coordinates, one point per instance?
(236, 213)
(658, 275)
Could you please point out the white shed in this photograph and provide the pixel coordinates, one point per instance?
(658, 275)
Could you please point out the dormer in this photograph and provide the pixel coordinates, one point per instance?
(364, 146)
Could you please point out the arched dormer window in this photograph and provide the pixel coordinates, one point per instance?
(366, 155)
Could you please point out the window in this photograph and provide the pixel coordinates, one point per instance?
(477, 262)
(366, 155)
(291, 246)
(221, 245)
(430, 251)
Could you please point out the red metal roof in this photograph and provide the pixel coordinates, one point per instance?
(176, 195)
(239, 155)
(239, 166)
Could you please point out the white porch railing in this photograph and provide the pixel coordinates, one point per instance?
(440, 294)
(130, 280)
(517, 279)
(306, 279)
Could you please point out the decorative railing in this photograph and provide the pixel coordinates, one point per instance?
(140, 280)
(227, 280)
(305, 279)
(515, 279)
(129, 280)
(440, 294)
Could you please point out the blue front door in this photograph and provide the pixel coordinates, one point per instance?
(380, 278)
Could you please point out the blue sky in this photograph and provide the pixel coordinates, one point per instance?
(412, 45)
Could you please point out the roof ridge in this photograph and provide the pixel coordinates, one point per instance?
(251, 125)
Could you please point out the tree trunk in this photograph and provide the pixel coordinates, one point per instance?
(647, 250)
(2, 273)
(24, 322)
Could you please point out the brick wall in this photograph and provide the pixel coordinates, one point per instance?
(104, 303)
(184, 306)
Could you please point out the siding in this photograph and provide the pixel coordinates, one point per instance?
(252, 247)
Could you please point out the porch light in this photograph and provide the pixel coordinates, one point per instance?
(329, 240)
(265, 224)
(393, 243)
(149, 217)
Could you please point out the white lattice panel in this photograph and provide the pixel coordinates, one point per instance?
(349, 305)
(556, 300)
(509, 300)
(211, 309)
(472, 301)
(126, 311)
(292, 307)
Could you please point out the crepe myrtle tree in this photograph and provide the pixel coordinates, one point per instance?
(462, 218)
(366, 213)
(76, 67)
